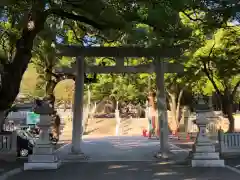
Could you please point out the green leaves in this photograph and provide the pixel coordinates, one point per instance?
(139, 23)
(219, 58)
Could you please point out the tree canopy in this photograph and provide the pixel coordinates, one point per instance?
(206, 31)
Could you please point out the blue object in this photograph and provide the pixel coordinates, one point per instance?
(32, 118)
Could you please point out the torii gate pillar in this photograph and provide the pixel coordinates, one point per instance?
(162, 107)
(78, 107)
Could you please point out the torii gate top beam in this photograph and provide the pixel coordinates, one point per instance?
(142, 68)
(75, 51)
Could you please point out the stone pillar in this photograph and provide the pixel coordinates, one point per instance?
(161, 107)
(146, 110)
(204, 154)
(185, 117)
(118, 120)
(78, 111)
(210, 101)
(89, 96)
(95, 105)
(43, 156)
(88, 109)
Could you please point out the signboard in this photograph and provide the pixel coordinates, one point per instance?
(32, 118)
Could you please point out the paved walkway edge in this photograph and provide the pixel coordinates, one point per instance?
(15, 171)
(226, 166)
(233, 169)
(11, 173)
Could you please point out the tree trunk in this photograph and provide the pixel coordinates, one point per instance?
(231, 120)
(174, 124)
(178, 115)
(175, 104)
(227, 105)
(13, 72)
(50, 86)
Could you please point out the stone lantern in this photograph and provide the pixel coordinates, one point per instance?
(43, 156)
(204, 154)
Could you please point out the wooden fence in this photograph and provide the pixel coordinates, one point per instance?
(8, 145)
(229, 142)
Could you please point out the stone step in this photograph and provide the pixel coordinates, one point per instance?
(208, 163)
(41, 165)
(42, 158)
(210, 148)
(203, 155)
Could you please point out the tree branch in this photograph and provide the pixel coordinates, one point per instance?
(206, 71)
(192, 19)
(64, 14)
(60, 76)
(97, 35)
(105, 39)
(179, 104)
(81, 40)
(63, 76)
(88, 80)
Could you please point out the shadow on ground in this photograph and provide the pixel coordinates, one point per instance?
(128, 171)
(9, 165)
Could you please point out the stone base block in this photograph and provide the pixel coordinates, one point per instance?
(210, 148)
(41, 165)
(42, 158)
(205, 142)
(208, 163)
(43, 149)
(206, 155)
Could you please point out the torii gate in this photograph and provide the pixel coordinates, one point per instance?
(157, 66)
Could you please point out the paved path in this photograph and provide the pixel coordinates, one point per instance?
(130, 158)
(128, 171)
(122, 148)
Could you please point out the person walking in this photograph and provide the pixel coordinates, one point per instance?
(151, 114)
